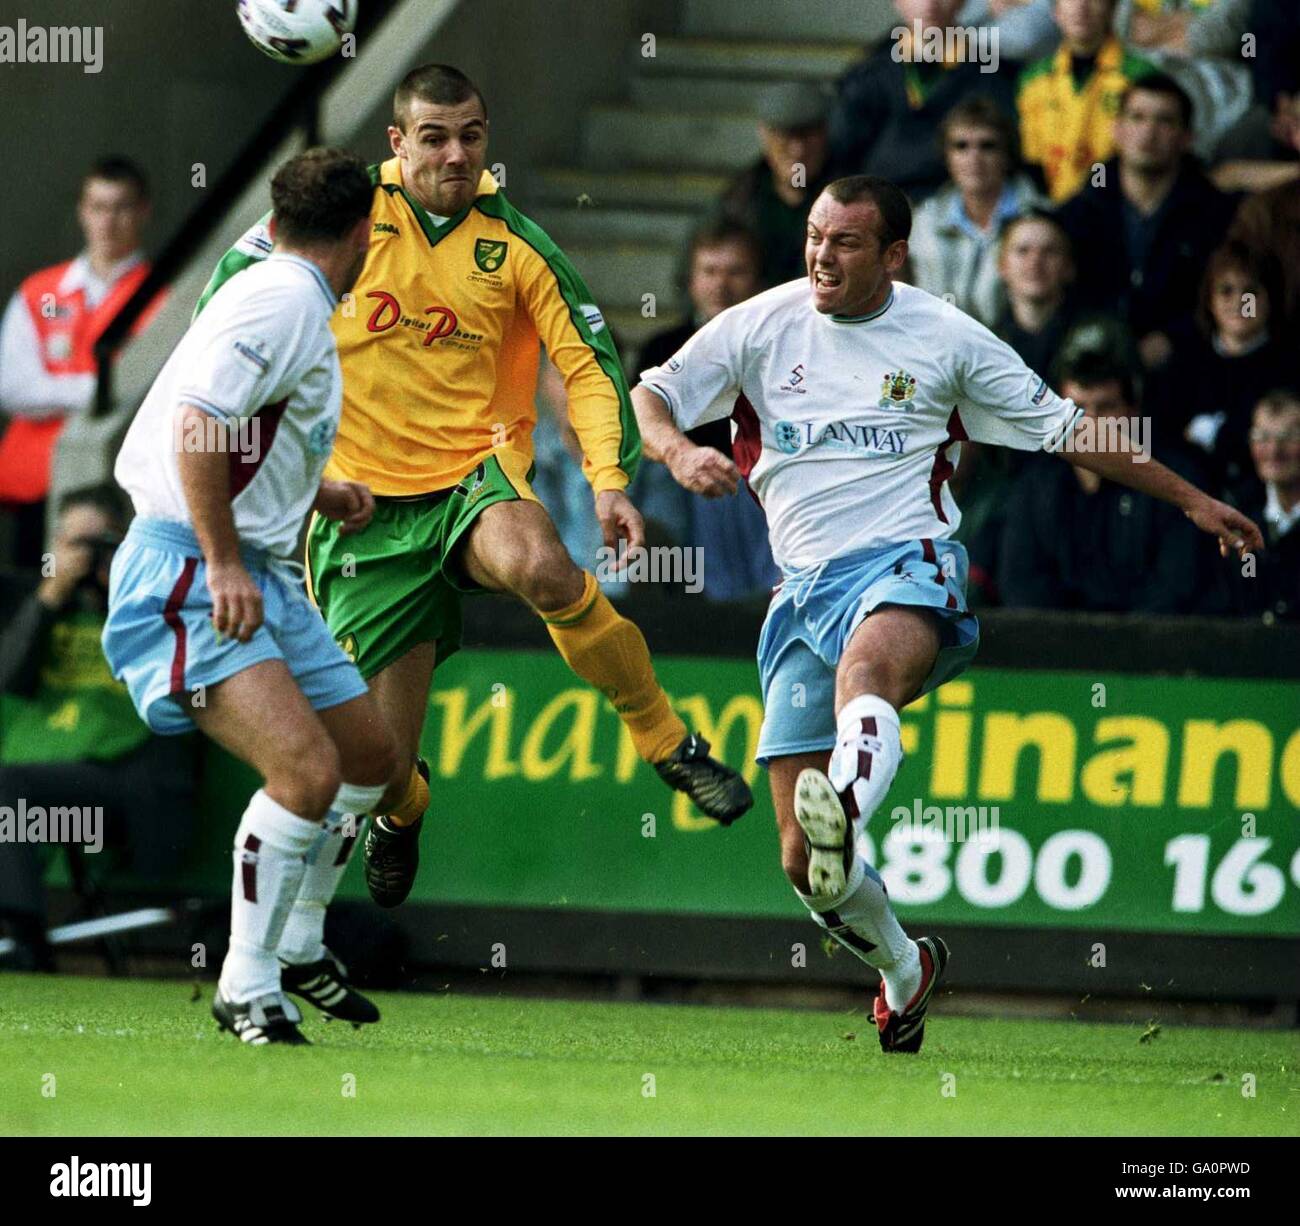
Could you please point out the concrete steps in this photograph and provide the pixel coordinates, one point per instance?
(859, 21)
(691, 191)
(651, 165)
(620, 274)
(600, 225)
(694, 140)
(729, 57)
(660, 92)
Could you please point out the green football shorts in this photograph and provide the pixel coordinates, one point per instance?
(388, 588)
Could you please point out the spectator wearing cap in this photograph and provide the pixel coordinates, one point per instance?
(772, 197)
(1037, 269)
(1068, 101)
(1073, 540)
(888, 107)
(1269, 586)
(1225, 363)
(48, 335)
(953, 250)
(1148, 221)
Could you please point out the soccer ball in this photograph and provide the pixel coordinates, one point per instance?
(297, 31)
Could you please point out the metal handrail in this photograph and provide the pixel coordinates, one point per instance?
(298, 110)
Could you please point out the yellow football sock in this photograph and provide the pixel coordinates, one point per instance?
(609, 652)
(413, 804)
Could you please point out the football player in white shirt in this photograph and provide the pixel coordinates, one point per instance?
(850, 395)
(208, 623)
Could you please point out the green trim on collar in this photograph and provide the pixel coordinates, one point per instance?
(434, 233)
(861, 319)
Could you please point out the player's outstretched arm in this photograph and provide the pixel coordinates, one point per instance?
(1130, 467)
(205, 481)
(702, 470)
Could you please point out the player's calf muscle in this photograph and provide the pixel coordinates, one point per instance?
(782, 773)
(367, 753)
(401, 694)
(794, 857)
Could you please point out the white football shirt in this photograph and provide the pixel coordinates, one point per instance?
(849, 428)
(261, 361)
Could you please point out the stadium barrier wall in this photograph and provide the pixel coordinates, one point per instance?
(1090, 825)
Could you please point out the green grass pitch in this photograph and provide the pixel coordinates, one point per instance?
(138, 1057)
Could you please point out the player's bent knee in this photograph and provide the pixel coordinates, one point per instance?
(548, 579)
(895, 682)
(307, 781)
(322, 786)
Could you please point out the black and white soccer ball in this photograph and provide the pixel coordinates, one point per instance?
(298, 31)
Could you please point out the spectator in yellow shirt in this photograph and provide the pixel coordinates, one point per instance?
(1068, 102)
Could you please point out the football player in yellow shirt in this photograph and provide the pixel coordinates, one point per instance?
(439, 349)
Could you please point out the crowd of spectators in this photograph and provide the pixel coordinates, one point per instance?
(1115, 192)
(1117, 197)
(1120, 202)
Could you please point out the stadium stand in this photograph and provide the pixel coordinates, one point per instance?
(637, 146)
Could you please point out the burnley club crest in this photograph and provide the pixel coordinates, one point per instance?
(897, 390)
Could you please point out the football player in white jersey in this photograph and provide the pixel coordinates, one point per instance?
(208, 623)
(850, 395)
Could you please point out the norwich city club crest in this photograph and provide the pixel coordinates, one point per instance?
(897, 390)
(490, 254)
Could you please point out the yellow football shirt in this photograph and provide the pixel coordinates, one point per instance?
(439, 343)
(1068, 126)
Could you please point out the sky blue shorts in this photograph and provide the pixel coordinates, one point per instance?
(816, 609)
(159, 639)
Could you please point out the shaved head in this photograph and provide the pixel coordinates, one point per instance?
(438, 85)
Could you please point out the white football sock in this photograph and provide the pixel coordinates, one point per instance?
(303, 939)
(269, 849)
(862, 920)
(866, 756)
